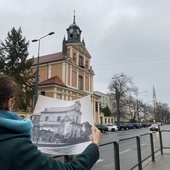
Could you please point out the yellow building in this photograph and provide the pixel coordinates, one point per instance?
(68, 75)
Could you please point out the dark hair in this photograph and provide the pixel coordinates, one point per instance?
(7, 89)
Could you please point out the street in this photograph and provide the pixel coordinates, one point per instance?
(128, 148)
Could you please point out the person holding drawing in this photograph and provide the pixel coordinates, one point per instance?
(17, 150)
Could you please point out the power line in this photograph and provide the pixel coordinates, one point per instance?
(130, 62)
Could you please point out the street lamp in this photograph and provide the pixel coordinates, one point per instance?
(37, 70)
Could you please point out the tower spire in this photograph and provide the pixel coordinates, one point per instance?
(154, 98)
(154, 93)
(74, 18)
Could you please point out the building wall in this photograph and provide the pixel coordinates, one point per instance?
(69, 70)
(56, 69)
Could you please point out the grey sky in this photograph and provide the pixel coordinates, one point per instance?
(129, 36)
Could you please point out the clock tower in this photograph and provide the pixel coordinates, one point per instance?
(73, 35)
(74, 32)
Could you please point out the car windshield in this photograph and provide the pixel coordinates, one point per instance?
(154, 125)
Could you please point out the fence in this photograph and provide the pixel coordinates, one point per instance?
(153, 146)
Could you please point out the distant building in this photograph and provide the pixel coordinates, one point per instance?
(104, 99)
(104, 102)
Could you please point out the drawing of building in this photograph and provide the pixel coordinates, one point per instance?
(60, 125)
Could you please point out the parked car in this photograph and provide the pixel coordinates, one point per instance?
(144, 124)
(102, 128)
(129, 126)
(112, 127)
(149, 124)
(155, 127)
(137, 125)
(121, 126)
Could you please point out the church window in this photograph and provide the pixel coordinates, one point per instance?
(87, 64)
(77, 119)
(80, 61)
(80, 83)
(58, 118)
(46, 118)
(71, 35)
(74, 57)
(43, 93)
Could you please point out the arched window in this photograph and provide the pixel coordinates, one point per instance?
(58, 118)
(43, 93)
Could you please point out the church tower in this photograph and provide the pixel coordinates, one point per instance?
(73, 35)
(155, 103)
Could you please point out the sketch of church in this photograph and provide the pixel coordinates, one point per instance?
(60, 125)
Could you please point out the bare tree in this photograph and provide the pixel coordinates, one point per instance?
(134, 107)
(162, 113)
(120, 86)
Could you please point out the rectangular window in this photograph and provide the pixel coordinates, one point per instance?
(96, 106)
(80, 61)
(87, 65)
(80, 83)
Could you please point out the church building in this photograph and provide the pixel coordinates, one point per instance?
(68, 75)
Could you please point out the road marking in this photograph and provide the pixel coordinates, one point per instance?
(100, 160)
(143, 144)
(125, 151)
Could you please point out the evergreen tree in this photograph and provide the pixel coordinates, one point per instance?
(106, 111)
(2, 60)
(14, 61)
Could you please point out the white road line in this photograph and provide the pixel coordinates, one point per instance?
(125, 151)
(100, 160)
(143, 144)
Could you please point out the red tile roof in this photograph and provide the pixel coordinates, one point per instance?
(53, 80)
(50, 58)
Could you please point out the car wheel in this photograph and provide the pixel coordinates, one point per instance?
(103, 131)
(113, 130)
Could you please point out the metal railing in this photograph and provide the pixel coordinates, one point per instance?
(138, 146)
(116, 152)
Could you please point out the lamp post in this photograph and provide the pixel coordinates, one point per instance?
(37, 69)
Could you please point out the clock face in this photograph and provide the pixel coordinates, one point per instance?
(71, 30)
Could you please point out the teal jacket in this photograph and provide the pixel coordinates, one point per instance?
(19, 153)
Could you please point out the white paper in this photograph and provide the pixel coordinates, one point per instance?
(62, 127)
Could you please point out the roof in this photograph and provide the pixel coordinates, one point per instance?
(66, 119)
(53, 80)
(50, 58)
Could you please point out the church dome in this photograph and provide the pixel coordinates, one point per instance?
(74, 25)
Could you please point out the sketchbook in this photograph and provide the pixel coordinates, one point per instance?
(62, 127)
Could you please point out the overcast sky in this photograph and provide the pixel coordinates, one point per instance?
(122, 36)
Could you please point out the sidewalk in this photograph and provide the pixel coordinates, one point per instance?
(162, 162)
